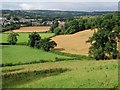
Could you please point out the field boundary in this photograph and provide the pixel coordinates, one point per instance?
(72, 55)
(40, 61)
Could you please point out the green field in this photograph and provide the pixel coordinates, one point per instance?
(64, 74)
(23, 37)
(22, 54)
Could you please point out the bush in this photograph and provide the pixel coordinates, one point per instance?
(12, 38)
(45, 44)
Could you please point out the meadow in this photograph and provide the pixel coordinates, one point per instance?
(64, 74)
(23, 37)
(23, 54)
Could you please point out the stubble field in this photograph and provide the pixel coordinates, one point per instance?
(74, 43)
(33, 29)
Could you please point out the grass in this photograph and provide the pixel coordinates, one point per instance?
(32, 75)
(23, 37)
(23, 54)
(79, 74)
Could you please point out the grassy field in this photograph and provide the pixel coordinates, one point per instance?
(74, 43)
(64, 74)
(23, 37)
(17, 53)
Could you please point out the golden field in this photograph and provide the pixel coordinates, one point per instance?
(74, 43)
(33, 29)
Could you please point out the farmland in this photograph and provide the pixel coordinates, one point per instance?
(65, 74)
(62, 74)
(70, 53)
(33, 29)
(67, 43)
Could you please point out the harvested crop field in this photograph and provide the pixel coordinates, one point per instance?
(33, 29)
(74, 43)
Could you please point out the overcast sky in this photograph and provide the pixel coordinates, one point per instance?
(64, 6)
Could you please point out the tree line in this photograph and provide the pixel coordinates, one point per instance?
(34, 41)
(8, 27)
(73, 26)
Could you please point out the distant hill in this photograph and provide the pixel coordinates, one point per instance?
(57, 13)
(52, 13)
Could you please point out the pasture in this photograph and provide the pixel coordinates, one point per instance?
(23, 54)
(74, 43)
(23, 37)
(63, 74)
(33, 29)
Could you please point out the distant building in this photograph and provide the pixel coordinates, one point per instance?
(35, 24)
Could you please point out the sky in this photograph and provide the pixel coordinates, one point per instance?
(63, 5)
(59, 0)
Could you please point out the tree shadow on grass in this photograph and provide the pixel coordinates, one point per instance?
(12, 80)
(4, 44)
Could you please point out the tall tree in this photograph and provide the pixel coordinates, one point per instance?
(55, 25)
(33, 37)
(104, 41)
(12, 38)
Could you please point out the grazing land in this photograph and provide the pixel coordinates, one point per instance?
(63, 74)
(24, 54)
(23, 37)
(74, 43)
(33, 29)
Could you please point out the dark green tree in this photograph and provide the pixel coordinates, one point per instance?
(57, 31)
(45, 44)
(104, 41)
(33, 37)
(71, 27)
(55, 25)
(81, 24)
(12, 38)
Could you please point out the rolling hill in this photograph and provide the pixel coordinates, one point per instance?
(74, 43)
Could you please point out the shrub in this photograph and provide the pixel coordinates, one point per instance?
(45, 44)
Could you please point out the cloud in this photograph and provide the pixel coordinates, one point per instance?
(65, 6)
(26, 6)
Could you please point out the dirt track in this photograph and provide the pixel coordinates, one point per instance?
(33, 29)
(74, 43)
